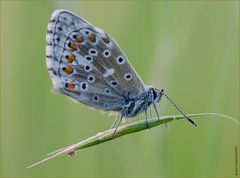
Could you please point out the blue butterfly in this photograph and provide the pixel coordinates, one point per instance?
(86, 64)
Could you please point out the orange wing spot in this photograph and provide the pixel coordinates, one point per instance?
(80, 39)
(92, 37)
(71, 58)
(73, 46)
(71, 86)
(68, 69)
(106, 40)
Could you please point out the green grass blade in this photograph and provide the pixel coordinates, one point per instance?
(122, 130)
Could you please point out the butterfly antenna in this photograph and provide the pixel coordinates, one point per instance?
(188, 118)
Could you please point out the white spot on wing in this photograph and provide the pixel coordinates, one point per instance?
(108, 72)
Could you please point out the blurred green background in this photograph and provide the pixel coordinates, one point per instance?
(191, 49)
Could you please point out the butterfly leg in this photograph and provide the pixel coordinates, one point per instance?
(146, 118)
(150, 109)
(156, 111)
(118, 124)
(155, 108)
(114, 124)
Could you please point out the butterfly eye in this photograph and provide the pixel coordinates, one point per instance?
(120, 60)
(128, 76)
(106, 53)
(93, 52)
(84, 86)
(154, 94)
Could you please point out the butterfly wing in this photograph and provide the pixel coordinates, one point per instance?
(87, 65)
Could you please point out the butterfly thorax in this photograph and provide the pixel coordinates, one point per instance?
(134, 106)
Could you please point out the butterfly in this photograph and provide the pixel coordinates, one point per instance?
(86, 64)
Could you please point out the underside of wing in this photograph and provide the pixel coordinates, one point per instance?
(87, 65)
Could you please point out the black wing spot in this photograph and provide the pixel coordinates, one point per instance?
(91, 78)
(106, 53)
(93, 52)
(87, 68)
(107, 91)
(89, 58)
(84, 86)
(128, 76)
(95, 98)
(114, 83)
(120, 60)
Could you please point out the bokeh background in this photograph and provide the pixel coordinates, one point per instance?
(189, 48)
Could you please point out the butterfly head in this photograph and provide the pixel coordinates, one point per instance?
(154, 95)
